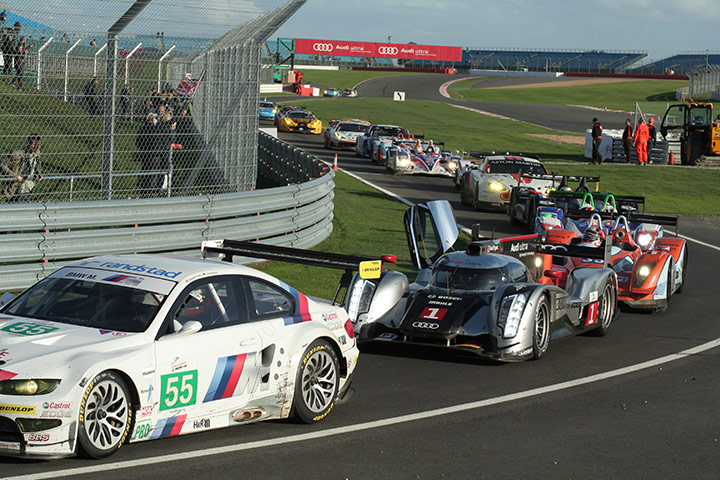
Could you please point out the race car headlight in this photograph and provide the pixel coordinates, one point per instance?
(496, 186)
(289, 122)
(28, 387)
(403, 162)
(511, 313)
(361, 295)
(644, 239)
(642, 272)
(452, 166)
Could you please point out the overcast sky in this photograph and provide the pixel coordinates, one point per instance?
(661, 27)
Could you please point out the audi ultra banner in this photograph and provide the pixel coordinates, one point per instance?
(383, 50)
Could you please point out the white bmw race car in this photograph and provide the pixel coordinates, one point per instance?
(130, 348)
(488, 184)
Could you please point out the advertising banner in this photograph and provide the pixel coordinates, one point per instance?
(381, 50)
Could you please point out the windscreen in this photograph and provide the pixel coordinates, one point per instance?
(89, 304)
(267, 104)
(389, 131)
(352, 127)
(301, 115)
(452, 277)
(515, 166)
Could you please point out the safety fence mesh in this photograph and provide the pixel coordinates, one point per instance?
(165, 105)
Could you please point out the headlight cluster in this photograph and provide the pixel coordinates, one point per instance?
(511, 313)
(403, 162)
(496, 186)
(644, 239)
(360, 297)
(642, 272)
(28, 387)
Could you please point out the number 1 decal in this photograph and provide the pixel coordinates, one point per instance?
(178, 390)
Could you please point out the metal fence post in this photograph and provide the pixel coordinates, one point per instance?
(39, 60)
(67, 66)
(109, 133)
(159, 66)
(96, 59)
(127, 62)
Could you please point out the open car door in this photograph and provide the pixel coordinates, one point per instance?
(431, 231)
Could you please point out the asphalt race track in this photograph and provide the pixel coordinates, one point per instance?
(634, 404)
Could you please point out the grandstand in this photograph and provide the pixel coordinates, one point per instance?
(681, 63)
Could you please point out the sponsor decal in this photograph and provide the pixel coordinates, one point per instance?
(146, 411)
(81, 275)
(373, 49)
(202, 423)
(370, 269)
(26, 328)
(592, 313)
(391, 51)
(431, 313)
(57, 405)
(169, 427)
(387, 336)
(593, 296)
(323, 47)
(329, 316)
(56, 414)
(150, 270)
(38, 437)
(111, 332)
(13, 446)
(124, 279)
(142, 431)
(25, 409)
(426, 325)
(178, 366)
(226, 376)
(149, 391)
(178, 390)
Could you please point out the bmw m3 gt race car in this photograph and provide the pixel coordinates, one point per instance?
(492, 300)
(488, 185)
(344, 133)
(131, 348)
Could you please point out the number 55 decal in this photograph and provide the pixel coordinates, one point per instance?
(178, 390)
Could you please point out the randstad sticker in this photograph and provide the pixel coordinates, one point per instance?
(17, 409)
(370, 269)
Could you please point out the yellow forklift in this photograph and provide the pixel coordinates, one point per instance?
(692, 126)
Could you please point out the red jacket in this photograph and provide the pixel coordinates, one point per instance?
(642, 133)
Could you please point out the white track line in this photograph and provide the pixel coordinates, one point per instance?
(413, 417)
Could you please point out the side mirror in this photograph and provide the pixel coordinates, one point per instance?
(6, 298)
(188, 328)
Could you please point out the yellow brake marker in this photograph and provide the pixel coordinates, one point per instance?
(370, 269)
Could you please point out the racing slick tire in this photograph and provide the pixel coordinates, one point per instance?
(511, 208)
(541, 332)
(105, 416)
(463, 194)
(531, 213)
(475, 203)
(606, 311)
(317, 383)
(326, 144)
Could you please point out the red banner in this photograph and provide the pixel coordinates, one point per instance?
(382, 50)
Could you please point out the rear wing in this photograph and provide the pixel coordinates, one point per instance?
(526, 248)
(368, 268)
(482, 155)
(666, 220)
(619, 203)
(558, 182)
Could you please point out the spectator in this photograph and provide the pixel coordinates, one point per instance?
(627, 138)
(642, 133)
(651, 141)
(25, 166)
(146, 143)
(596, 139)
(9, 49)
(20, 54)
(91, 95)
(3, 18)
(166, 134)
(126, 102)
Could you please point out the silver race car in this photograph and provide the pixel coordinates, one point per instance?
(493, 299)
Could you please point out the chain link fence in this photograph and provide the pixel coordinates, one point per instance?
(121, 99)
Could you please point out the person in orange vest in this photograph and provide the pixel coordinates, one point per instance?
(642, 135)
(627, 138)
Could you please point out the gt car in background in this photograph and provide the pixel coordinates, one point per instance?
(492, 300)
(331, 92)
(344, 133)
(267, 110)
(349, 92)
(488, 184)
(410, 158)
(129, 348)
(650, 267)
(367, 144)
(298, 120)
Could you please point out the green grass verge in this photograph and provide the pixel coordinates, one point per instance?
(342, 79)
(652, 95)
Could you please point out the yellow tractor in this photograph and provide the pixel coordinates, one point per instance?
(693, 127)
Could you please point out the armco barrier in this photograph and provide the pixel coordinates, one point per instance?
(38, 238)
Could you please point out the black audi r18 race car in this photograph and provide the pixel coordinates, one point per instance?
(493, 299)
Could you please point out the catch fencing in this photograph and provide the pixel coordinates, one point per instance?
(38, 238)
(131, 99)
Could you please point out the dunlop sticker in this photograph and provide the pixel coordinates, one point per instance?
(370, 269)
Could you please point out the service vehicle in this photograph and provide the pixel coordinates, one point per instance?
(492, 300)
(693, 127)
